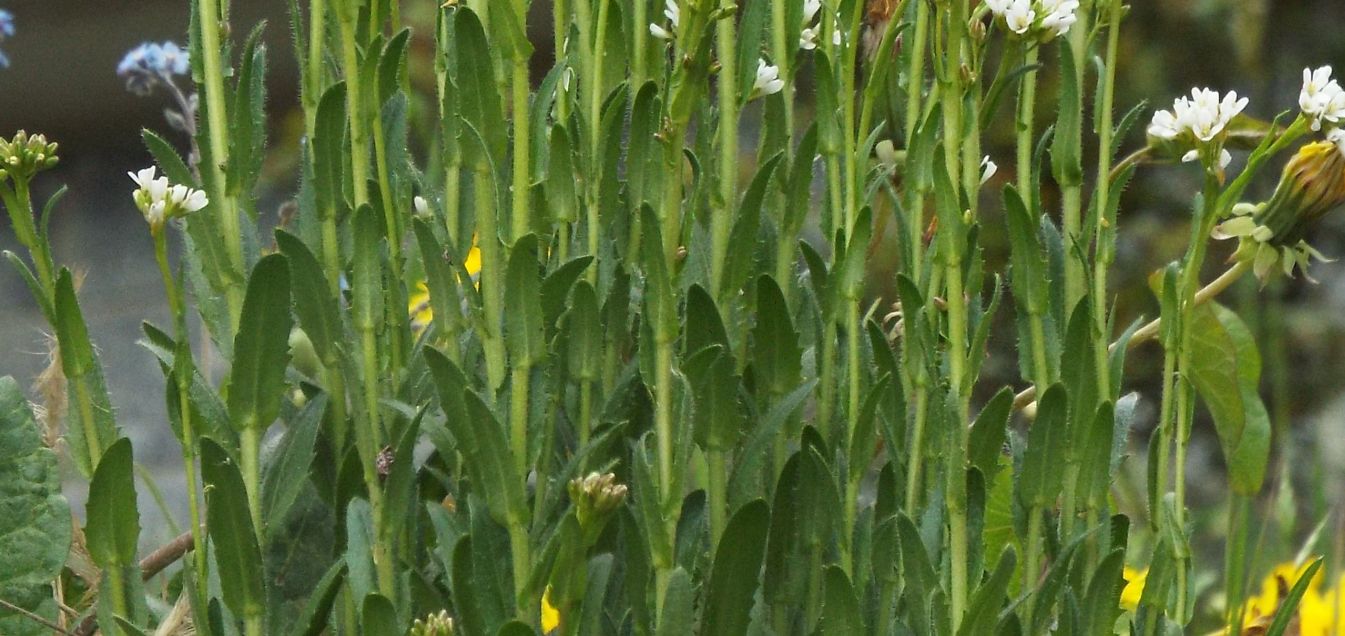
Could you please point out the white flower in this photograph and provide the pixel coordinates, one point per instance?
(988, 169)
(886, 152)
(998, 7)
(144, 177)
(1225, 158)
(1204, 115)
(1337, 137)
(159, 200)
(1019, 16)
(768, 80)
(1060, 15)
(1321, 97)
(421, 205)
(674, 14)
(808, 38)
(810, 9)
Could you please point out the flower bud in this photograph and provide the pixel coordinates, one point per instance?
(438, 624)
(25, 156)
(595, 498)
(1313, 182)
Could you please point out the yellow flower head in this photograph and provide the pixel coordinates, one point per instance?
(550, 615)
(418, 305)
(1134, 589)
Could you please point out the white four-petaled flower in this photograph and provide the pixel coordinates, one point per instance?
(159, 200)
(1322, 98)
(768, 80)
(674, 14)
(1204, 115)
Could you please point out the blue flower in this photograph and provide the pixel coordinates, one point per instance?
(145, 66)
(6, 30)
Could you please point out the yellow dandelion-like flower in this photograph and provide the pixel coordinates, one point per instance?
(1134, 589)
(418, 305)
(550, 615)
(1276, 586)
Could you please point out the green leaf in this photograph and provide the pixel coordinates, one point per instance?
(286, 473)
(491, 466)
(1065, 152)
(112, 534)
(90, 427)
(704, 324)
(561, 198)
(1288, 609)
(167, 158)
(35, 528)
(678, 606)
(989, 596)
(113, 529)
(776, 355)
(237, 555)
(313, 621)
(328, 151)
(523, 322)
(366, 284)
(986, 446)
(478, 96)
(261, 348)
(379, 616)
(840, 611)
(1042, 478)
(1102, 603)
(1226, 370)
(736, 570)
(314, 305)
(248, 130)
(744, 235)
(392, 65)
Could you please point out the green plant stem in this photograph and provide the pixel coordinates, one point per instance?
(560, 32)
(722, 219)
(355, 101)
(594, 36)
(317, 37)
(518, 418)
(522, 91)
(521, 551)
(826, 390)
(492, 275)
(249, 462)
(585, 411)
(640, 42)
(392, 220)
(175, 305)
(916, 459)
(717, 492)
(367, 439)
(226, 205)
(1031, 561)
(1235, 561)
(1105, 231)
(335, 374)
(783, 56)
(1026, 112)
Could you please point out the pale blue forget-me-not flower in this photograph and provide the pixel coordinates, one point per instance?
(151, 63)
(6, 31)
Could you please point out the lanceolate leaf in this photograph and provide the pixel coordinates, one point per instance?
(113, 533)
(261, 349)
(91, 427)
(1043, 477)
(35, 529)
(737, 568)
(237, 555)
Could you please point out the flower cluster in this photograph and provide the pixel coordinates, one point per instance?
(1313, 182)
(150, 64)
(6, 31)
(674, 15)
(1321, 99)
(1046, 19)
(159, 200)
(1199, 120)
(24, 156)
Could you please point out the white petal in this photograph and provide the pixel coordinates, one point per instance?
(1193, 155)
(659, 32)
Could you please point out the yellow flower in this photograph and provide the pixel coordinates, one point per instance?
(418, 305)
(1323, 614)
(1134, 578)
(550, 615)
(1275, 586)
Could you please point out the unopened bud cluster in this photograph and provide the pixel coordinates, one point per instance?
(24, 156)
(438, 624)
(596, 497)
